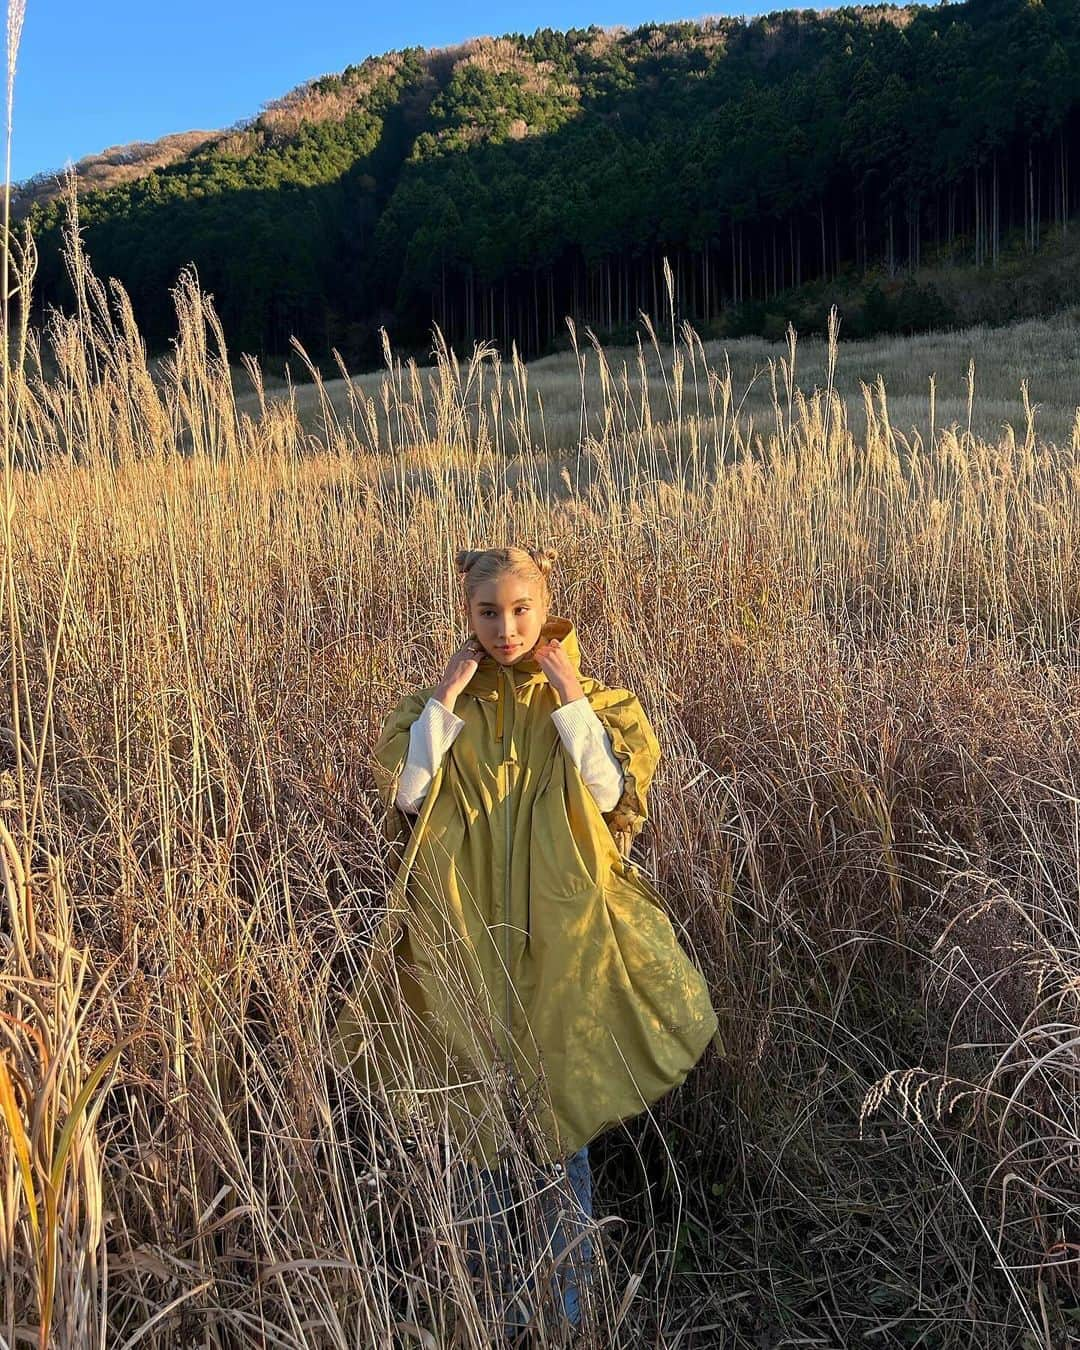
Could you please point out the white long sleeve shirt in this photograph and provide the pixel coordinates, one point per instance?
(581, 730)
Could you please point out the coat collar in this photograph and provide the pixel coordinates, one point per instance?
(526, 671)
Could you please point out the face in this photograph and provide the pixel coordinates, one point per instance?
(507, 611)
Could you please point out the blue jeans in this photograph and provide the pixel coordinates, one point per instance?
(564, 1219)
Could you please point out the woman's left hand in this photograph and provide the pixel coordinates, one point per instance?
(559, 669)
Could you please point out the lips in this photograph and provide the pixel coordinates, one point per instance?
(509, 649)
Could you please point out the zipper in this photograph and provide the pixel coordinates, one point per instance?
(506, 870)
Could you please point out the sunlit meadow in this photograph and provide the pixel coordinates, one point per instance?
(853, 621)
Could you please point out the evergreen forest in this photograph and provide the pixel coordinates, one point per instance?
(497, 187)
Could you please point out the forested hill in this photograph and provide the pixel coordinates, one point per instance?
(501, 185)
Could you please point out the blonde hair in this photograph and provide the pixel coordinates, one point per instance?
(477, 565)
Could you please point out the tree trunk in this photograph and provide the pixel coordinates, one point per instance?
(980, 227)
(1037, 200)
(889, 257)
(1064, 184)
(775, 283)
(734, 270)
(791, 251)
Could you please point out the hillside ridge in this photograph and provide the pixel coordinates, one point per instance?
(496, 187)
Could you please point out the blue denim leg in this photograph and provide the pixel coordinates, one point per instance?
(563, 1226)
(491, 1195)
(488, 1236)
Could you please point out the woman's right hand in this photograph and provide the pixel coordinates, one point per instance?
(459, 671)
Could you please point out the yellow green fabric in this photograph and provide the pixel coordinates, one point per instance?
(513, 890)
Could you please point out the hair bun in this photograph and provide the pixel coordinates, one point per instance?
(465, 558)
(545, 558)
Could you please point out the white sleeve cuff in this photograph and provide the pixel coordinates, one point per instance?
(449, 723)
(589, 746)
(430, 736)
(575, 720)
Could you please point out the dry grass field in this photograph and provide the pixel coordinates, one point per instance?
(975, 379)
(850, 606)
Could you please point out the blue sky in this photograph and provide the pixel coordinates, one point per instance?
(90, 76)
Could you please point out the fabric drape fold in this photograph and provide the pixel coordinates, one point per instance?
(518, 930)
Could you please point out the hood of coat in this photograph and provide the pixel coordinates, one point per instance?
(485, 682)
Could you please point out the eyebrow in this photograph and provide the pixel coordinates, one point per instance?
(521, 600)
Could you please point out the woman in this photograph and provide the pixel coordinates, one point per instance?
(520, 933)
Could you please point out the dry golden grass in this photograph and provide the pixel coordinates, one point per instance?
(974, 379)
(858, 645)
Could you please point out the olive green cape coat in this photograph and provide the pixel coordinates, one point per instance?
(517, 930)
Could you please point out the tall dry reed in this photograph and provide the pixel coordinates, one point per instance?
(859, 650)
